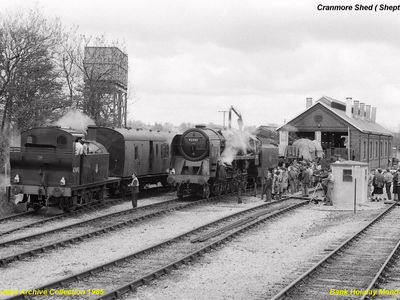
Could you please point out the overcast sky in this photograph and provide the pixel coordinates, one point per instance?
(190, 59)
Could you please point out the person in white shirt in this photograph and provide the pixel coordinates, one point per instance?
(78, 147)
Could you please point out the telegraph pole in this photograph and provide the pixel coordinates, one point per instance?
(224, 112)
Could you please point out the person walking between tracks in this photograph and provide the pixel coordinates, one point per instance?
(388, 178)
(135, 189)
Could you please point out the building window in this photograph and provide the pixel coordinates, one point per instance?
(364, 150)
(347, 175)
(386, 149)
(376, 149)
(380, 149)
(370, 149)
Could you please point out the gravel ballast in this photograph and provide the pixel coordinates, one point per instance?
(76, 258)
(260, 263)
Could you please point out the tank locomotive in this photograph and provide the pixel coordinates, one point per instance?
(47, 170)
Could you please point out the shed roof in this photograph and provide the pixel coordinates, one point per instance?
(358, 123)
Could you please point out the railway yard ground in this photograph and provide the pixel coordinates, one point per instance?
(255, 264)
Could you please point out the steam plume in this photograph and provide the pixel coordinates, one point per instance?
(235, 141)
(76, 120)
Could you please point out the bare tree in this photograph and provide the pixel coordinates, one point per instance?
(68, 58)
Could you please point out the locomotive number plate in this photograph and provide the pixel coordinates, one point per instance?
(193, 140)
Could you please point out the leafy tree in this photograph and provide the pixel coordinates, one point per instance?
(30, 89)
(29, 82)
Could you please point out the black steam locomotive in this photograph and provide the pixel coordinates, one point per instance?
(49, 172)
(210, 162)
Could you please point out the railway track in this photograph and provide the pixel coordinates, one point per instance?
(127, 273)
(354, 267)
(27, 246)
(30, 219)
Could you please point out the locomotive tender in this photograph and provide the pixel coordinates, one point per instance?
(210, 162)
(46, 169)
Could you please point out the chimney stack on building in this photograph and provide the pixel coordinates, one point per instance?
(348, 107)
(368, 112)
(308, 103)
(356, 109)
(373, 115)
(362, 111)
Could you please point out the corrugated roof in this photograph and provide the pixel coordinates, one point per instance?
(361, 125)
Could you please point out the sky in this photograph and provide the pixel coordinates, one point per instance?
(189, 60)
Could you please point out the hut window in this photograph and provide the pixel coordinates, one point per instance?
(347, 175)
(156, 150)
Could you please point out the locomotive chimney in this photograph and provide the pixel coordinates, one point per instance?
(308, 103)
(348, 107)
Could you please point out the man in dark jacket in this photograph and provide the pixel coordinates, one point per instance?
(267, 187)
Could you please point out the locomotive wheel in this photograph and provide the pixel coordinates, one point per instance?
(100, 195)
(231, 187)
(66, 203)
(206, 191)
(123, 191)
(244, 186)
(179, 191)
(217, 189)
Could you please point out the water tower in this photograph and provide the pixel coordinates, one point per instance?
(106, 85)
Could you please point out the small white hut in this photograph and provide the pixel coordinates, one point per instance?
(350, 184)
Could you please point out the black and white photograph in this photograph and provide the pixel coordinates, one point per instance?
(226, 149)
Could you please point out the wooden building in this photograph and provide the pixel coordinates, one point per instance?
(345, 130)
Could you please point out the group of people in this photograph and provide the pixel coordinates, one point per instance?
(383, 183)
(282, 180)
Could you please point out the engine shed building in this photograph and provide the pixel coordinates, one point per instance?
(346, 130)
